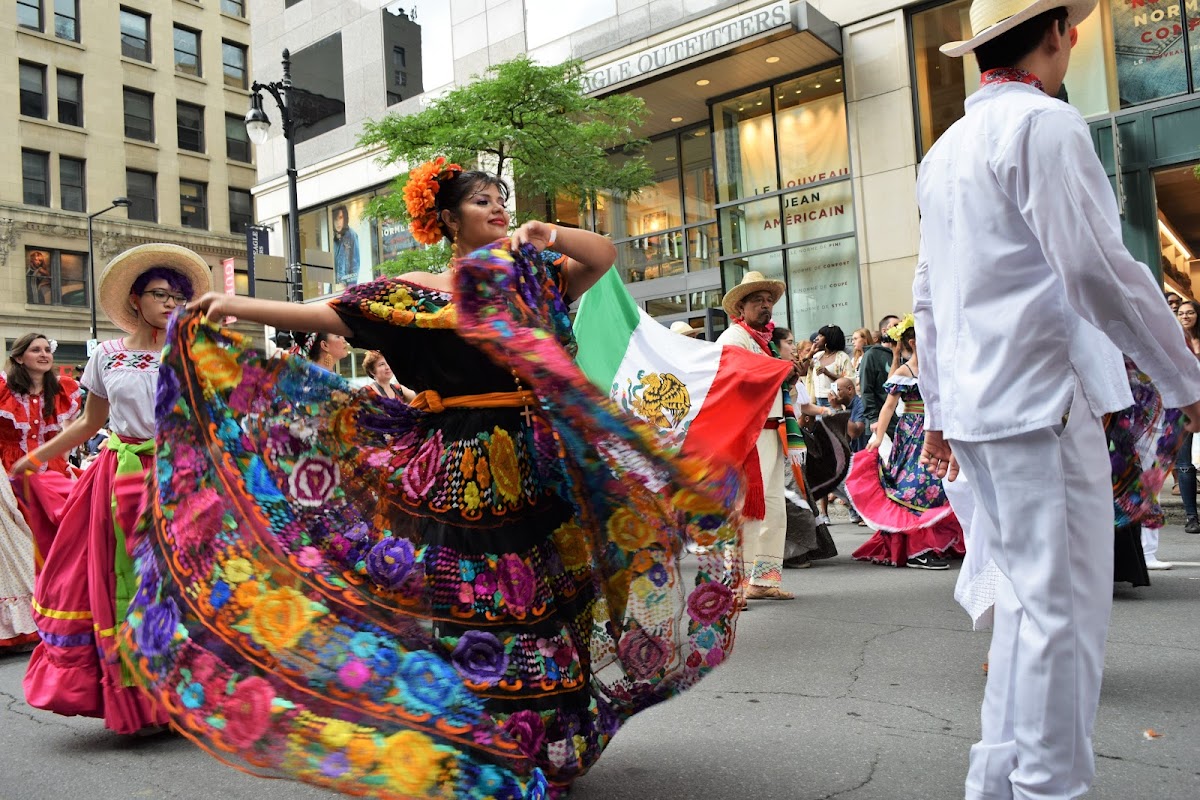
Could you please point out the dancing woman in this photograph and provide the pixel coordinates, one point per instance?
(88, 580)
(35, 404)
(465, 596)
(902, 499)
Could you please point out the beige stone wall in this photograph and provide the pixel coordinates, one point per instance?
(102, 144)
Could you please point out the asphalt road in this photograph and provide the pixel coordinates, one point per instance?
(866, 687)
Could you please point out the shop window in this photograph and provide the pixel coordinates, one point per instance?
(66, 19)
(55, 277)
(237, 140)
(751, 226)
(1178, 199)
(663, 306)
(187, 51)
(816, 213)
(139, 115)
(135, 35)
(193, 204)
(810, 125)
(699, 189)
(318, 71)
(823, 285)
(1151, 48)
(745, 146)
(241, 210)
(771, 265)
(72, 192)
(35, 177)
(142, 191)
(70, 98)
(189, 124)
(233, 64)
(33, 89)
(651, 257)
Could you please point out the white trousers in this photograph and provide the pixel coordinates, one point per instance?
(1047, 496)
(763, 539)
(1150, 544)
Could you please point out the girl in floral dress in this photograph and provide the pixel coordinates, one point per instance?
(465, 596)
(35, 404)
(902, 500)
(87, 580)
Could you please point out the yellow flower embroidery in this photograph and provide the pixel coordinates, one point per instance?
(362, 752)
(630, 532)
(237, 570)
(337, 733)
(471, 495)
(279, 617)
(506, 473)
(216, 366)
(411, 763)
(572, 544)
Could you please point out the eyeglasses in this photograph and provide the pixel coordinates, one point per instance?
(163, 297)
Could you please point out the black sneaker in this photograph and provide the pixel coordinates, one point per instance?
(928, 561)
(1192, 526)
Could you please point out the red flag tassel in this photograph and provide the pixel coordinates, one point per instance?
(755, 506)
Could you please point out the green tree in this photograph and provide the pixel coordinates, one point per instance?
(523, 120)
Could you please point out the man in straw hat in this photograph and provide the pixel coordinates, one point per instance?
(1025, 298)
(749, 306)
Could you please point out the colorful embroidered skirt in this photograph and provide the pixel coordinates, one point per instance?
(338, 588)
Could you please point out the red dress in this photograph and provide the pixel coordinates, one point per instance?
(23, 428)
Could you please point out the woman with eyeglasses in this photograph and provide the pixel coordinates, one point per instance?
(87, 581)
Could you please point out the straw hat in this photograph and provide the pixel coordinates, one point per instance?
(751, 282)
(992, 18)
(683, 329)
(116, 282)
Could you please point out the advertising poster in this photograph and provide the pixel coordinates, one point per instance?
(823, 281)
(1148, 43)
(352, 234)
(394, 239)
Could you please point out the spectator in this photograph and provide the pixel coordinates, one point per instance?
(1185, 471)
(860, 340)
(1173, 300)
(829, 362)
(873, 372)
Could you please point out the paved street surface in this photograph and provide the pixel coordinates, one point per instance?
(866, 687)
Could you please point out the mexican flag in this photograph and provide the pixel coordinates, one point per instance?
(709, 400)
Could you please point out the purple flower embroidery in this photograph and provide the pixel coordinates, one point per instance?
(335, 765)
(420, 473)
(518, 584)
(158, 628)
(313, 480)
(390, 561)
(168, 392)
(527, 728)
(480, 658)
(641, 654)
(709, 601)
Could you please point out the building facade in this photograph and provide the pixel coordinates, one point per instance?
(141, 99)
(785, 136)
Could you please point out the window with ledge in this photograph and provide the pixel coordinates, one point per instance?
(33, 89)
(35, 177)
(241, 210)
(70, 98)
(55, 277)
(190, 126)
(72, 192)
(135, 35)
(141, 189)
(193, 204)
(139, 115)
(66, 19)
(29, 14)
(233, 62)
(237, 140)
(234, 8)
(187, 51)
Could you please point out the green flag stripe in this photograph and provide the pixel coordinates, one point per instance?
(606, 320)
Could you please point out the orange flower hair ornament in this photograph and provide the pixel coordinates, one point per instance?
(420, 194)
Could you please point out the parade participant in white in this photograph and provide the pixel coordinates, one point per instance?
(1022, 263)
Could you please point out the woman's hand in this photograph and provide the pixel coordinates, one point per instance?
(22, 465)
(216, 306)
(533, 232)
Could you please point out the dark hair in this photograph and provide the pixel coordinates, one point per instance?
(18, 375)
(1007, 49)
(175, 279)
(340, 209)
(883, 322)
(1195, 330)
(451, 194)
(834, 338)
(779, 334)
(313, 350)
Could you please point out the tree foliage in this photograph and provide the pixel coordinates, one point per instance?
(524, 121)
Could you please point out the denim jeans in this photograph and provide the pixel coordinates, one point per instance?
(1185, 470)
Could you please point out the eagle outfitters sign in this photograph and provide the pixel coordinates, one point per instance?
(685, 48)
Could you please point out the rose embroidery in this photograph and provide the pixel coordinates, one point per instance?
(642, 655)
(528, 730)
(709, 601)
(313, 480)
(158, 628)
(480, 658)
(248, 712)
(390, 561)
(517, 582)
(421, 472)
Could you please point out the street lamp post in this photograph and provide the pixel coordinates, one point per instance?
(118, 202)
(258, 126)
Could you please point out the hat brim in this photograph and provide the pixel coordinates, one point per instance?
(735, 295)
(692, 334)
(1077, 12)
(116, 283)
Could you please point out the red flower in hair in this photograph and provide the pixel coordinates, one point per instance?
(420, 194)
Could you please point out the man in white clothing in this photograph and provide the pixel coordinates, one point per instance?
(1025, 299)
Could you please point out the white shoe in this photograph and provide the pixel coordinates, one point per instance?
(822, 519)
(1156, 564)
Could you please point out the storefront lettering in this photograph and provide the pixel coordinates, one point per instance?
(750, 24)
(806, 216)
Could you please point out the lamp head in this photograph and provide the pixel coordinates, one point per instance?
(122, 202)
(258, 124)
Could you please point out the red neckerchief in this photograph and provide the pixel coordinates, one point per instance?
(762, 337)
(1011, 75)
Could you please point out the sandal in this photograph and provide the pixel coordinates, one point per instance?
(768, 593)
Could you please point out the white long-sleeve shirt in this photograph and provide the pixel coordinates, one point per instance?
(1023, 284)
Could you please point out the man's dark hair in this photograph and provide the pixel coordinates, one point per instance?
(1009, 48)
(883, 321)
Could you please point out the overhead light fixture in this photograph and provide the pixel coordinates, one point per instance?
(1170, 234)
(703, 82)
(759, 103)
(670, 158)
(701, 132)
(676, 119)
(772, 59)
(837, 80)
(798, 91)
(816, 86)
